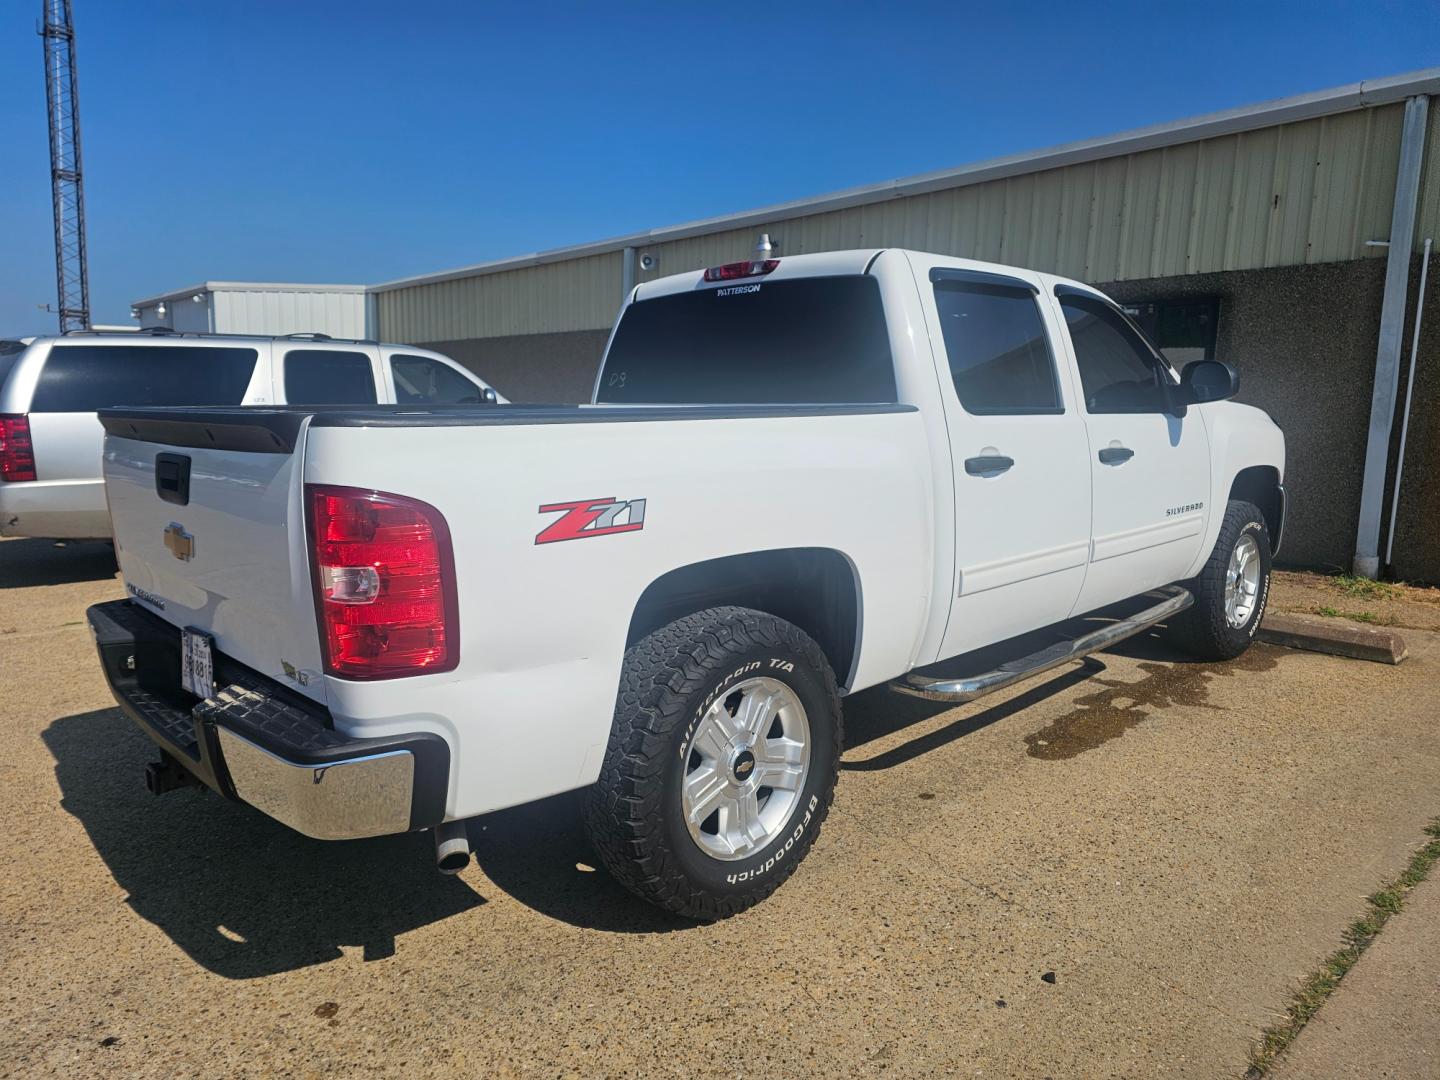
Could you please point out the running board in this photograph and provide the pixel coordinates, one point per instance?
(939, 688)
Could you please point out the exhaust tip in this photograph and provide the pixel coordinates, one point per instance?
(452, 847)
(453, 863)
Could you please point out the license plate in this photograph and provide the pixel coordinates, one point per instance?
(197, 668)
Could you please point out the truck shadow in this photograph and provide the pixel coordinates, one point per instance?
(1168, 677)
(27, 563)
(538, 854)
(880, 712)
(242, 895)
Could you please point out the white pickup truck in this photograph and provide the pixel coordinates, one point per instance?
(798, 478)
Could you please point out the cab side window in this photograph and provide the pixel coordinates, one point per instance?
(999, 353)
(419, 380)
(1119, 372)
(328, 377)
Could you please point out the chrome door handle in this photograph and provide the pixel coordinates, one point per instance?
(987, 464)
(1116, 455)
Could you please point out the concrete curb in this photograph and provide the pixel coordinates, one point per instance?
(1335, 636)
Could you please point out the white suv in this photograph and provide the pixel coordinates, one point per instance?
(50, 440)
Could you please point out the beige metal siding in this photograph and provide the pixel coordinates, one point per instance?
(1429, 210)
(577, 294)
(285, 311)
(1312, 191)
(1308, 191)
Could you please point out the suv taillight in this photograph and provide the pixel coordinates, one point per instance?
(384, 576)
(17, 452)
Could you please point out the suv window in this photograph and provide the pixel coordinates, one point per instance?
(9, 356)
(816, 341)
(83, 378)
(328, 377)
(1119, 372)
(999, 354)
(420, 380)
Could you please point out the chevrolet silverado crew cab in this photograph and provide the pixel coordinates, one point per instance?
(51, 387)
(798, 478)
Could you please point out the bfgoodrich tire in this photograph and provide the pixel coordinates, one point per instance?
(1231, 591)
(721, 763)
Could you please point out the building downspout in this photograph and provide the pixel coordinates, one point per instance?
(627, 274)
(371, 329)
(1392, 326)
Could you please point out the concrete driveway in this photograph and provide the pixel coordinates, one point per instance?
(1122, 870)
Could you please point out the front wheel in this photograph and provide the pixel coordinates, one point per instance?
(721, 763)
(1231, 591)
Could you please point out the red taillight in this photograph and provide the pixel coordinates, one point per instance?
(731, 271)
(17, 452)
(384, 577)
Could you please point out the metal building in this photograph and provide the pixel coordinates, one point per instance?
(249, 307)
(1260, 235)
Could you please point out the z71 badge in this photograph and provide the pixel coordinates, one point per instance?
(591, 517)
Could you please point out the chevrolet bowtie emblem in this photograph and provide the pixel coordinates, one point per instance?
(180, 542)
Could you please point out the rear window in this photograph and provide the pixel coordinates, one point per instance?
(9, 356)
(815, 340)
(83, 378)
(328, 377)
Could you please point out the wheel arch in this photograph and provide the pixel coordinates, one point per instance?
(1260, 484)
(816, 589)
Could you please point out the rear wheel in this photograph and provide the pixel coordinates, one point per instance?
(721, 764)
(1231, 591)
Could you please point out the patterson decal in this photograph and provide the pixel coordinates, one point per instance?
(591, 517)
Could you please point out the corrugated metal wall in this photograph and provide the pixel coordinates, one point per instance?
(289, 311)
(1305, 192)
(576, 294)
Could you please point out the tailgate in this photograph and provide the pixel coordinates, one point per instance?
(206, 507)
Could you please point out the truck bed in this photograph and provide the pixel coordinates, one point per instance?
(542, 626)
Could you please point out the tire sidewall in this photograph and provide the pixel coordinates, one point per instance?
(1253, 526)
(739, 876)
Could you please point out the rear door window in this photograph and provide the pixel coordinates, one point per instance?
(999, 353)
(329, 377)
(421, 380)
(83, 378)
(820, 340)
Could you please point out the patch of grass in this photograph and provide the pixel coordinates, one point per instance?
(1351, 585)
(1358, 616)
(1321, 984)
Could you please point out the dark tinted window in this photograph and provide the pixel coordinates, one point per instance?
(328, 377)
(1119, 372)
(419, 379)
(83, 378)
(999, 353)
(811, 341)
(9, 355)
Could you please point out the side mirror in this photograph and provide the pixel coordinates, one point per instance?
(489, 396)
(1207, 380)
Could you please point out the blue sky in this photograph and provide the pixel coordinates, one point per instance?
(362, 141)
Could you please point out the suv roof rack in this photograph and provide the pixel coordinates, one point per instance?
(156, 330)
(167, 331)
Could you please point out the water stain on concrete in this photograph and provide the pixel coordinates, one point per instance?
(1100, 717)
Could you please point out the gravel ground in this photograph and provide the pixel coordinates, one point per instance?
(1121, 870)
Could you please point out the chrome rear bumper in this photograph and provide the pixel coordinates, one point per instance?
(366, 795)
(261, 744)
